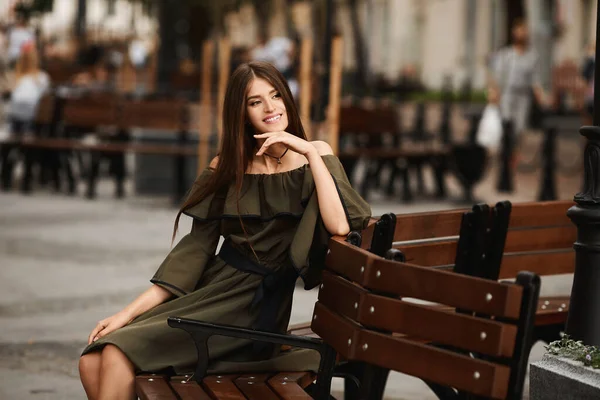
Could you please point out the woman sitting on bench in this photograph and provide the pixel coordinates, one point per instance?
(276, 210)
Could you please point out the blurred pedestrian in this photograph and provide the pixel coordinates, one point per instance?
(281, 52)
(516, 82)
(18, 35)
(515, 85)
(31, 83)
(296, 195)
(4, 81)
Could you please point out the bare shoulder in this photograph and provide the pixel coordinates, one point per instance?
(214, 162)
(322, 147)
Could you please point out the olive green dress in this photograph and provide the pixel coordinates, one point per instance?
(280, 216)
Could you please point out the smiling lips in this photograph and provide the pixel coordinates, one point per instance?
(273, 119)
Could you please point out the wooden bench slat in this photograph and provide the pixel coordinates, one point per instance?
(424, 361)
(431, 323)
(430, 254)
(549, 213)
(290, 385)
(70, 144)
(480, 295)
(188, 389)
(255, 387)
(222, 387)
(444, 252)
(156, 114)
(153, 387)
(550, 263)
(387, 153)
(548, 238)
(428, 284)
(428, 225)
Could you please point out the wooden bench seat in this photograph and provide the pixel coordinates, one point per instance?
(276, 386)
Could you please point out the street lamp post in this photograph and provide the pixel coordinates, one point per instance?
(583, 322)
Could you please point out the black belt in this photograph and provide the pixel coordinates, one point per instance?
(270, 294)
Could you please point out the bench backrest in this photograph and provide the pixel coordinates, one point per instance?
(362, 314)
(540, 239)
(171, 115)
(376, 121)
(92, 111)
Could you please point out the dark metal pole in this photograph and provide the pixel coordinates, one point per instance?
(583, 322)
(324, 101)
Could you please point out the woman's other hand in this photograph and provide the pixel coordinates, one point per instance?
(109, 325)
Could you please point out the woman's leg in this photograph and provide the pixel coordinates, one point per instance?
(117, 375)
(89, 372)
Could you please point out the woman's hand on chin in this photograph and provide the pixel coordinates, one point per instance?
(290, 141)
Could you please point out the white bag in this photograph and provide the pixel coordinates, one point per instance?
(489, 131)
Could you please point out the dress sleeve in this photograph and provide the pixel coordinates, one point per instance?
(181, 270)
(358, 211)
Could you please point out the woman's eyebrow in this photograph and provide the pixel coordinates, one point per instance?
(258, 96)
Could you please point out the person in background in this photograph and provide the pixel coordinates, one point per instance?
(279, 51)
(19, 35)
(31, 83)
(515, 82)
(516, 79)
(4, 86)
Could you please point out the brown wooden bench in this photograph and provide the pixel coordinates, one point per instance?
(82, 119)
(342, 258)
(363, 314)
(375, 133)
(540, 239)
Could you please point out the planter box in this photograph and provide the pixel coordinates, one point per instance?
(555, 378)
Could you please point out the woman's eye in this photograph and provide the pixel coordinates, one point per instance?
(254, 103)
(277, 96)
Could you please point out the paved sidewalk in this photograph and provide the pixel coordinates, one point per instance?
(67, 262)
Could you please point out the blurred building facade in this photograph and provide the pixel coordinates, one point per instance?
(437, 38)
(104, 18)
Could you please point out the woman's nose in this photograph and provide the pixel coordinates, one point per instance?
(269, 106)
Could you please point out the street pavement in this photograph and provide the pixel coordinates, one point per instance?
(67, 262)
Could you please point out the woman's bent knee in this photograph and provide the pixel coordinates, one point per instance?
(89, 363)
(113, 354)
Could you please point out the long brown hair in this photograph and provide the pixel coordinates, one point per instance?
(238, 143)
(28, 61)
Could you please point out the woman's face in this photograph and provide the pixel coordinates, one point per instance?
(264, 107)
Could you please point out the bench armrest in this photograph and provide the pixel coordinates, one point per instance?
(202, 331)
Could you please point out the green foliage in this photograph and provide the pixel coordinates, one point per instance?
(575, 350)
